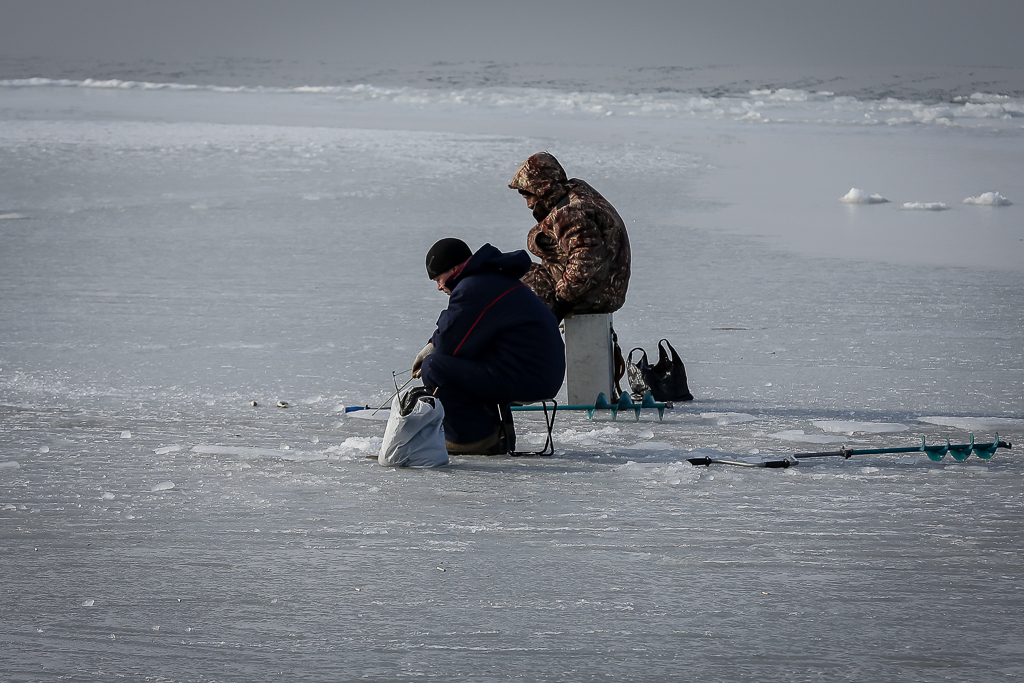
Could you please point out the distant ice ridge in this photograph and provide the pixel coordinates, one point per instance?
(989, 199)
(783, 105)
(859, 196)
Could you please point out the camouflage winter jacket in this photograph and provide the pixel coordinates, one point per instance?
(579, 237)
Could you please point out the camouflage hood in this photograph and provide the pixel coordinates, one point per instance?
(543, 176)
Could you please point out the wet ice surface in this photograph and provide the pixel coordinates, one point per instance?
(164, 274)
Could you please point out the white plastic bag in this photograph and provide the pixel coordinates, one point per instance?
(416, 439)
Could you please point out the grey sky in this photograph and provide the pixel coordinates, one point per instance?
(637, 33)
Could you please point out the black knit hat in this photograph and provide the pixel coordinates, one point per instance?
(445, 255)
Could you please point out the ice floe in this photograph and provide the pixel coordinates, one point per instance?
(721, 419)
(858, 196)
(799, 436)
(162, 486)
(989, 199)
(972, 423)
(924, 206)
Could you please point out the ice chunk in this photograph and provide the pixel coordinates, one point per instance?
(163, 486)
(799, 436)
(107, 496)
(858, 196)
(989, 199)
(924, 206)
(88, 603)
(672, 473)
(44, 449)
(846, 427)
(10, 465)
(126, 434)
(167, 449)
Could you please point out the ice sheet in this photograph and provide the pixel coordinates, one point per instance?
(191, 257)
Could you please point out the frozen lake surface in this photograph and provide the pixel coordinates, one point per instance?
(168, 255)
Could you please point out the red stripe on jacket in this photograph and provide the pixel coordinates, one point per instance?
(481, 316)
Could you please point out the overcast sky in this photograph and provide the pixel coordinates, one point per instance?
(598, 32)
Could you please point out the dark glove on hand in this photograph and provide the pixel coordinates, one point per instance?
(561, 308)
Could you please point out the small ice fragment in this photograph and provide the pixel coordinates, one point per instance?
(163, 486)
(88, 603)
(9, 465)
(858, 196)
(12, 216)
(925, 206)
(167, 449)
(44, 449)
(107, 496)
(155, 628)
(126, 434)
(989, 199)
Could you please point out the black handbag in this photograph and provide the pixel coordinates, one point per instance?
(666, 380)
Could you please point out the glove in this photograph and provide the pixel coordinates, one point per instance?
(561, 308)
(418, 363)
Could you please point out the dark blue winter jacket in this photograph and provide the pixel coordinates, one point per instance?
(497, 339)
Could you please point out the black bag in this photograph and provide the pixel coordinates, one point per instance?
(408, 401)
(666, 380)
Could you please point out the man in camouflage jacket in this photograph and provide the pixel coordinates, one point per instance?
(579, 237)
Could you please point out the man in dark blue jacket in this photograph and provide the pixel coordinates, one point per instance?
(496, 343)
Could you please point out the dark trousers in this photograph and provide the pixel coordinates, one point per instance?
(470, 391)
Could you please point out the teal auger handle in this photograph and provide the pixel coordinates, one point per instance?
(601, 403)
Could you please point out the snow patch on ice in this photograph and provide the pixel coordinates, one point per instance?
(799, 436)
(671, 474)
(858, 196)
(924, 206)
(162, 486)
(989, 199)
(971, 423)
(851, 427)
(722, 419)
(594, 437)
